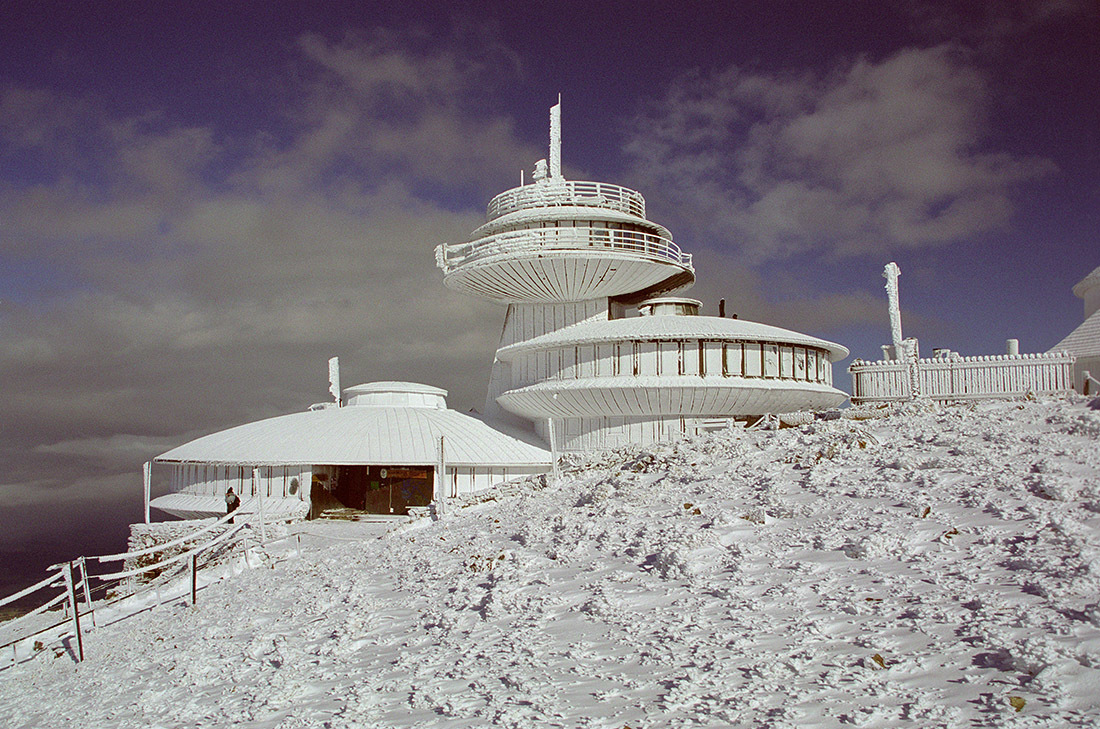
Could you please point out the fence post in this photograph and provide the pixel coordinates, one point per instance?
(258, 485)
(194, 575)
(87, 591)
(147, 478)
(71, 585)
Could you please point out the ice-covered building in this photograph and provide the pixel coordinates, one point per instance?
(1084, 341)
(593, 347)
(595, 352)
(382, 452)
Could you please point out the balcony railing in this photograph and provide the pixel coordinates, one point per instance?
(567, 192)
(451, 256)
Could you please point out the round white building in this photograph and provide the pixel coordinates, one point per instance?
(593, 347)
(391, 446)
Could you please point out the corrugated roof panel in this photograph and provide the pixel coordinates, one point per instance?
(362, 435)
(1084, 341)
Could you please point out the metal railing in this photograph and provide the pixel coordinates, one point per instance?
(566, 192)
(451, 256)
(964, 378)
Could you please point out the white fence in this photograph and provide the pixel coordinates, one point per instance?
(963, 378)
(76, 599)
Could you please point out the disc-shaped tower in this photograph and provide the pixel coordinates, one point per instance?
(592, 349)
(558, 240)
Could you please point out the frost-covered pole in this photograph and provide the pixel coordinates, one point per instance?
(148, 479)
(903, 352)
(257, 486)
(553, 447)
(441, 480)
(70, 586)
(891, 273)
(334, 379)
(555, 140)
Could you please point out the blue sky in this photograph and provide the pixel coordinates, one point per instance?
(200, 203)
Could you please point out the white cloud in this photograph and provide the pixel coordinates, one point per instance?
(877, 155)
(183, 281)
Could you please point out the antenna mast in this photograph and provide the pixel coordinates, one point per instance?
(555, 140)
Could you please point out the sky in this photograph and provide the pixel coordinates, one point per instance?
(200, 203)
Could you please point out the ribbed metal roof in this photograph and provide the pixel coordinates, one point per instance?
(1088, 282)
(1084, 341)
(362, 435)
(669, 328)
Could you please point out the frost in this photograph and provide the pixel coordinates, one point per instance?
(925, 567)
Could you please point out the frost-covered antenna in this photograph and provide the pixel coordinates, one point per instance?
(891, 273)
(555, 140)
(904, 351)
(334, 379)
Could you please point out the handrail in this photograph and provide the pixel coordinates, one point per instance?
(162, 547)
(43, 608)
(48, 582)
(172, 560)
(567, 192)
(451, 256)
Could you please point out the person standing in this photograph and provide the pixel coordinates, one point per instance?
(232, 501)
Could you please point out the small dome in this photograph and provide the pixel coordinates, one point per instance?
(395, 395)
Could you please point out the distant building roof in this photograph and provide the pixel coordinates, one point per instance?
(1088, 282)
(669, 327)
(1084, 341)
(373, 430)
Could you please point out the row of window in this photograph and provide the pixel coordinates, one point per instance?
(209, 479)
(706, 358)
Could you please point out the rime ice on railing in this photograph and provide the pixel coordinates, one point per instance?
(964, 378)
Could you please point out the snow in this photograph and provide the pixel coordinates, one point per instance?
(936, 567)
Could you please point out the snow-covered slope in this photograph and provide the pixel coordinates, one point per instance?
(935, 568)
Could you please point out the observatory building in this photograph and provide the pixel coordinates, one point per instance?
(598, 349)
(595, 351)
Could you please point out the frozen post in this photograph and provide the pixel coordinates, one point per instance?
(257, 486)
(70, 585)
(891, 273)
(555, 140)
(553, 447)
(441, 481)
(904, 351)
(147, 472)
(334, 379)
(83, 564)
(194, 576)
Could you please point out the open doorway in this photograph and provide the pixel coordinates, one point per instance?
(384, 489)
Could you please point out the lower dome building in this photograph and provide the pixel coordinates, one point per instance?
(382, 452)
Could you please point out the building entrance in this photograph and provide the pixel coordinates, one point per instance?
(384, 489)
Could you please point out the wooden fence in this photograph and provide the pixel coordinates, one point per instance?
(963, 378)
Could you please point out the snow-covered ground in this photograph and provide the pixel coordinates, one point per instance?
(936, 568)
